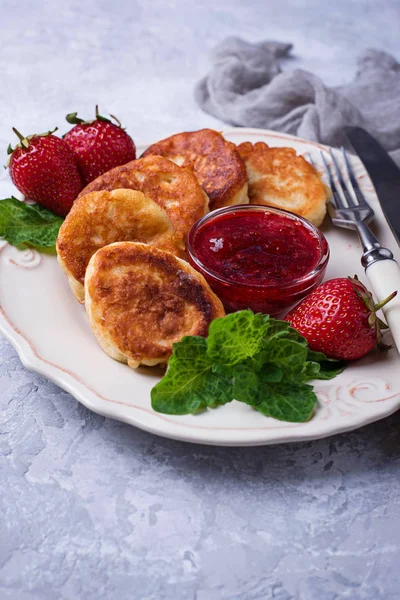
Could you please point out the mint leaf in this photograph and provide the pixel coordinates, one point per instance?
(189, 384)
(276, 328)
(31, 224)
(295, 336)
(311, 370)
(246, 384)
(272, 373)
(327, 372)
(249, 357)
(236, 337)
(319, 366)
(283, 399)
(320, 357)
(276, 332)
(287, 400)
(286, 354)
(279, 329)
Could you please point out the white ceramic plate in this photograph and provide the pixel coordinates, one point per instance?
(49, 329)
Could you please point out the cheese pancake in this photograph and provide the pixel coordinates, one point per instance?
(140, 300)
(217, 164)
(174, 188)
(100, 218)
(279, 177)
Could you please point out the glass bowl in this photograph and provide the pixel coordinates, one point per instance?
(295, 243)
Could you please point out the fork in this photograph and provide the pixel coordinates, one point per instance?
(348, 208)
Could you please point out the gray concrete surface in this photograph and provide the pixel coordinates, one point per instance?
(92, 509)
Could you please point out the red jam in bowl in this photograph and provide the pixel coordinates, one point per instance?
(258, 257)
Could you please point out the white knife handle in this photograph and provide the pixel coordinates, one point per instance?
(384, 277)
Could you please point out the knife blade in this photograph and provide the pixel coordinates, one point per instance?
(383, 171)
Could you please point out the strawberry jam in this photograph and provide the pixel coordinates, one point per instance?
(258, 257)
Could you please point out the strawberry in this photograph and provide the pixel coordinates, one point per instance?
(43, 168)
(339, 319)
(98, 145)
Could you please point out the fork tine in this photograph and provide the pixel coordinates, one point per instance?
(336, 198)
(356, 188)
(310, 160)
(343, 209)
(348, 168)
(336, 168)
(328, 173)
(345, 188)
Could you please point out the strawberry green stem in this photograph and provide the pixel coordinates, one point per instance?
(100, 117)
(24, 140)
(73, 119)
(385, 301)
(116, 120)
(20, 136)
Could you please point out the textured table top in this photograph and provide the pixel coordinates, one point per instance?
(95, 509)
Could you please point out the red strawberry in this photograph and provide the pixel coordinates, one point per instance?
(339, 319)
(43, 168)
(98, 145)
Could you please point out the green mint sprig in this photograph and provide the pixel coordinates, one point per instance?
(31, 224)
(248, 357)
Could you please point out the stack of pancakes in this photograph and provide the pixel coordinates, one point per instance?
(122, 245)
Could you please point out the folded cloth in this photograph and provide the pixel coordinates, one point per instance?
(247, 88)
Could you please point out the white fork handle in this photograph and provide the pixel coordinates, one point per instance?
(384, 277)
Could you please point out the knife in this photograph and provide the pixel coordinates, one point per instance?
(383, 171)
(384, 275)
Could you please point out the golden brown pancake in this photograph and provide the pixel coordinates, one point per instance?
(174, 188)
(217, 164)
(279, 177)
(140, 300)
(100, 218)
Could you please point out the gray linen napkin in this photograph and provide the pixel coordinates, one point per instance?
(247, 88)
